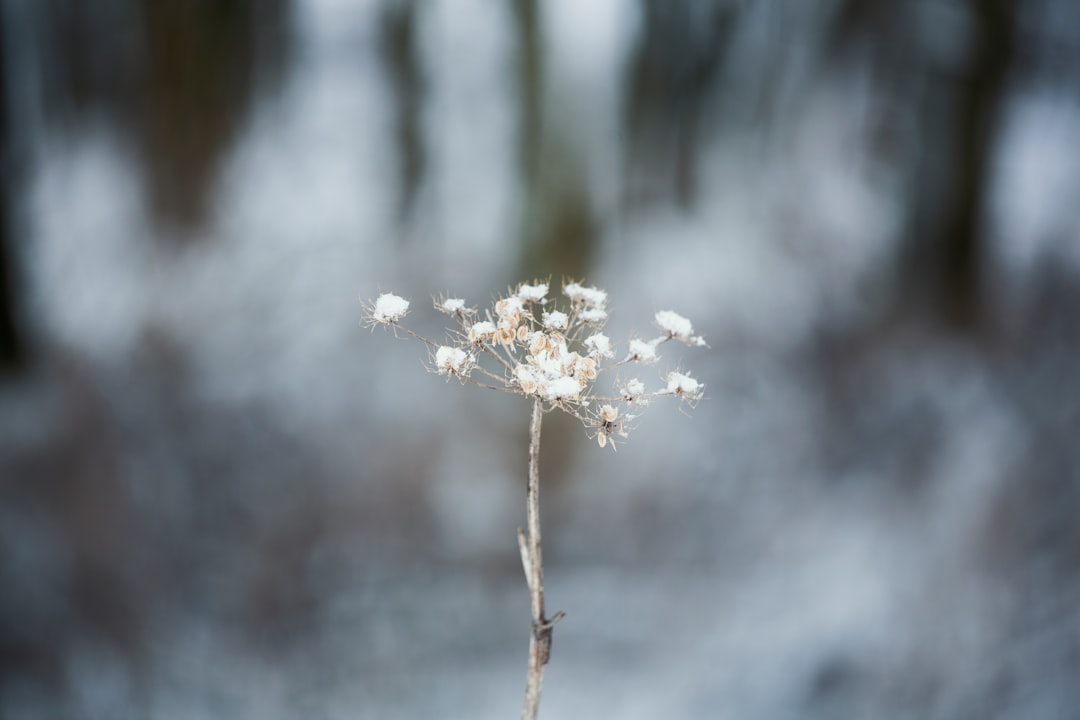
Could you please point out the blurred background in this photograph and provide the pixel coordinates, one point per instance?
(220, 497)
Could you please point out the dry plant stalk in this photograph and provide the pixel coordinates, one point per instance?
(527, 346)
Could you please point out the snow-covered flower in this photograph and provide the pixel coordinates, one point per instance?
(452, 361)
(562, 388)
(683, 385)
(674, 324)
(678, 327)
(510, 308)
(389, 308)
(556, 320)
(599, 345)
(533, 293)
(588, 295)
(633, 390)
(481, 331)
(452, 306)
(643, 351)
(593, 316)
(527, 379)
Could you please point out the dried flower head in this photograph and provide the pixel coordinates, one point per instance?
(554, 356)
(453, 361)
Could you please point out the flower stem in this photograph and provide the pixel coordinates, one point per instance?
(531, 560)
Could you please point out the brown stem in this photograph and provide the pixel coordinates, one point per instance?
(531, 560)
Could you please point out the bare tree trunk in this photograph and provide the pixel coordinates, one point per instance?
(531, 560)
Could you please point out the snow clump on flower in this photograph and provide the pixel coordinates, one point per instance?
(599, 345)
(678, 327)
(389, 308)
(481, 331)
(683, 385)
(555, 320)
(633, 389)
(533, 293)
(593, 316)
(588, 295)
(643, 351)
(562, 388)
(452, 306)
(452, 361)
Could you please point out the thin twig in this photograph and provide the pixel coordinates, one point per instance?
(532, 561)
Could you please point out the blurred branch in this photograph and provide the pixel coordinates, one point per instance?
(401, 59)
(11, 350)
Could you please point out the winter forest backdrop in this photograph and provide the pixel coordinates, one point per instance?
(220, 497)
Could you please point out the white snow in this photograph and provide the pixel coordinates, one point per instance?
(562, 388)
(452, 305)
(594, 316)
(389, 308)
(451, 360)
(555, 320)
(674, 324)
(588, 295)
(599, 345)
(680, 384)
(533, 293)
(643, 351)
(481, 331)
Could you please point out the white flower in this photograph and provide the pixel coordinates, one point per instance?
(594, 316)
(533, 293)
(684, 385)
(562, 388)
(555, 320)
(643, 351)
(452, 361)
(599, 345)
(389, 308)
(481, 331)
(588, 295)
(633, 388)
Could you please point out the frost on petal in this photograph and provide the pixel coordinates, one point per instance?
(533, 293)
(683, 385)
(599, 345)
(643, 351)
(588, 295)
(451, 361)
(481, 331)
(555, 320)
(562, 388)
(593, 316)
(389, 308)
